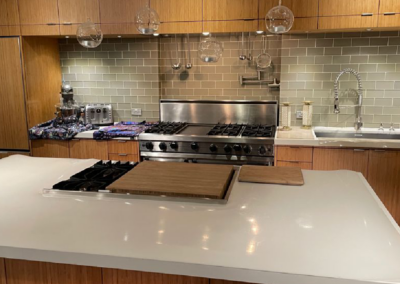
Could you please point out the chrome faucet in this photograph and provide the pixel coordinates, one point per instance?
(358, 123)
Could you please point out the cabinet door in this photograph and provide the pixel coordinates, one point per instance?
(74, 274)
(300, 8)
(22, 272)
(2, 271)
(294, 154)
(74, 12)
(50, 148)
(88, 149)
(39, 17)
(9, 18)
(341, 159)
(347, 22)
(389, 6)
(13, 125)
(389, 14)
(347, 7)
(178, 10)
(220, 10)
(384, 178)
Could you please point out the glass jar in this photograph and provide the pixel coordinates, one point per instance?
(286, 116)
(307, 114)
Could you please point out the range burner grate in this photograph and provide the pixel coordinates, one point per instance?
(225, 130)
(166, 128)
(259, 131)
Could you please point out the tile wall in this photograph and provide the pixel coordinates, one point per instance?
(310, 64)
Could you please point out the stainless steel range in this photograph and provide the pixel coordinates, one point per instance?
(228, 132)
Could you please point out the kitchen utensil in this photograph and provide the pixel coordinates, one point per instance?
(250, 47)
(175, 179)
(242, 56)
(89, 35)
(273, 175)
(177, 66)
(264, 59)
(279, 19)
(189, 63)
(210, 50)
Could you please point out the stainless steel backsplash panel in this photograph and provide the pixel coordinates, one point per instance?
(199, 111)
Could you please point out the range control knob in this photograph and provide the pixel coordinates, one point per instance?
(194, 146)
(262, 150)
(247, 149)
(173, 145)
(163, 146)
(227, 148)
(213, 148)
(149, 146)
(237, 147)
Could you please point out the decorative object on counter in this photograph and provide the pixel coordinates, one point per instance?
(147, 20)
(89, 35)
(122, 129)
(189, 64)
(210, 50)
(54, 130)
(286, 116)
(358, 123)
(264, 59)
(271, 175)
(99, 114)
(251, 80)
(279, 19)
(68, 110)
(177, 66)
(242, 55)
(307, 114)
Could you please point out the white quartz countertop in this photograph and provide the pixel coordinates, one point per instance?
(306, 137)
(333, 229)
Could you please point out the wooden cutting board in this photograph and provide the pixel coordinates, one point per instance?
(175, 179)
(275, 175)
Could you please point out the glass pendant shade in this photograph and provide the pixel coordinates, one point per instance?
(210, 50)
(147, 21)
(279, 19)
(89, 35)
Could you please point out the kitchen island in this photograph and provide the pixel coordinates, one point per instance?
(333, 229)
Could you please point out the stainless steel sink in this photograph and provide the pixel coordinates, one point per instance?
(371, 133)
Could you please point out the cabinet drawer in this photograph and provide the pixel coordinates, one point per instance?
(123, 147)
(302, 165)
(124, 157)
(296, 154)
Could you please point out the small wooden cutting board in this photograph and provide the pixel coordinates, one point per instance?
(274, 175)
(175, 179)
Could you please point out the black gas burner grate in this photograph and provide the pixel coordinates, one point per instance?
(225, 130)
(259, 131)
(95, 178)
(166, 128)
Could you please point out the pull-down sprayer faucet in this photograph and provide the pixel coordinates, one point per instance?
(358, 123)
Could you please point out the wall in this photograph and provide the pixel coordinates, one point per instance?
(123, 72)
(310, 64)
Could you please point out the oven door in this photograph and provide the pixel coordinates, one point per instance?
(208, 159)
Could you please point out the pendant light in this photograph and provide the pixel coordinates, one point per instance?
(210, 50)
(279, 19)
(147, 20)
(89, 35)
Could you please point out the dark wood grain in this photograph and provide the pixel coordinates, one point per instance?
(274, 175)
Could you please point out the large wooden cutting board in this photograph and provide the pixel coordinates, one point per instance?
(175, 179)
(275, 175)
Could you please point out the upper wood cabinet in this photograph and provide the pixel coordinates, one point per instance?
(347, 7)
(216, 10)
(389, 6)
(341, 159)
(39, 17)
(389, 14)
(384, 178)
(178, 10)
(13, 136)
(9, 18)
(74, 12)
(347, 22)
(300, 8)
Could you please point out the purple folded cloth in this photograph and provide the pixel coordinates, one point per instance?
(53, 130)
(122, 129)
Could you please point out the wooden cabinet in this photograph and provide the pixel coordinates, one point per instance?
(50, 148)
(88, 149)
(291, 156)
(230, 15)
(123, 150)
(384, 178)
(4, 154)
(2, 271)
(341, 159)
(39, 17)
(13, 126)
(389, 13)
(292, 164)
(347, 22)
(74, 12)
(9, 18)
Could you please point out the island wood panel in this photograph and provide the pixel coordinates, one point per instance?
(2, 271)
(123, 147)
(178, 10)
(300, 8)
(389, 6)
(218, 281)
(347, 22)
(121, 11)
(88, 149)
(230, 26)
(41, 58)
(13, 124)
(341, 159)
(347, 7)
(50, 148)
(301, 165)
(39, 17)
(389, 21)
(74, 274)
(230, 10)
(384, 178)
(180, 28)
(8, 154)
(293, 153)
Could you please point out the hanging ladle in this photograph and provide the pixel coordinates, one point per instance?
(177, 66)
(189, 64)
(264, 59)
